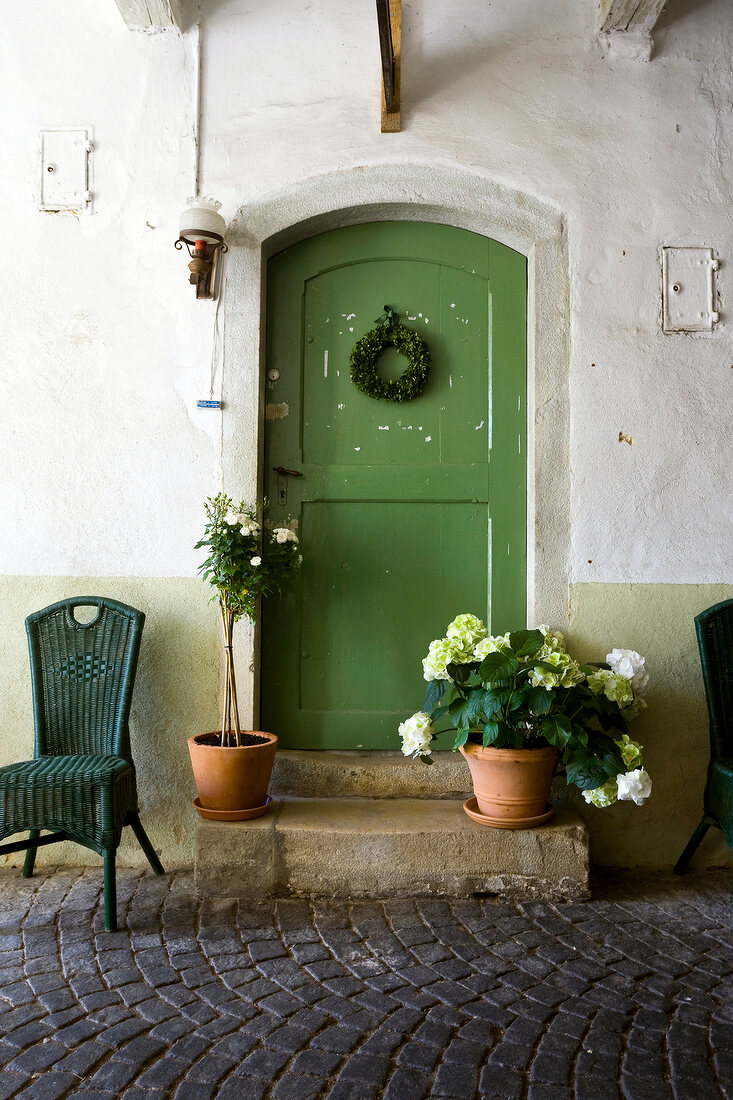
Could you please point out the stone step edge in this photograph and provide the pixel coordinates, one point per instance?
(324, 774)
(350, 848)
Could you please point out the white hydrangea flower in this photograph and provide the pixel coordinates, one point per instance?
(284, 534)
(567, 674)
(615, 687)
(629, 663)
(602, 796)
(634, 786)
(630, 751)
(492, 644)
(416, 733)
(441, 652)
(255, 561)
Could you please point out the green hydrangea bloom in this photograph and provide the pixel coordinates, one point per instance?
(554, 640)
(615, 687)
(567, 674)
(490, 645)
(442, 652)
(603, 796)
(466, 630)
(630, 752)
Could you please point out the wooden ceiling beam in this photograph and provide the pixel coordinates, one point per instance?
(152, 14)
(389, 19)
(625, 26)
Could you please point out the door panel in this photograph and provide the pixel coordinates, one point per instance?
(362, 641)
(403, 521)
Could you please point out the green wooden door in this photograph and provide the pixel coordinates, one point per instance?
(408, 514)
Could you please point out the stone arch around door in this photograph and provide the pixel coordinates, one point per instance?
(415, 193)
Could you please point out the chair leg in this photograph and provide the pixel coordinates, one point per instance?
(147, 847)
(681, 865)
(30, 855)
(110, 892)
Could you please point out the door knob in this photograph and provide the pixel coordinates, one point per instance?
(285, 472)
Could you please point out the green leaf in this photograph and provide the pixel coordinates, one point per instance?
(456, 709)
(564, 725)
(518, 699)
(490, 663)
(516, 738)
(544, 665)
(584, 770)
(527, 642)
(461, 673)
(580, 734)
(474, 706)
(435, 691)
(461, 738)
(497, 666)
(491, 732)
(555, 732)
(489, 702)
(426, 759)
(539, 701)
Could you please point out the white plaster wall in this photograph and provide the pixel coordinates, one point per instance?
(103, 356)
(104, 350)
(107, 347)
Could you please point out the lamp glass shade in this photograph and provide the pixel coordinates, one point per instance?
(201, 221)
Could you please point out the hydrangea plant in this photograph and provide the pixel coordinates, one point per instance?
(524, 690)
(242, 566)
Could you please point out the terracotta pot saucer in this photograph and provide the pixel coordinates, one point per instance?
(470, 807)
(232, 815)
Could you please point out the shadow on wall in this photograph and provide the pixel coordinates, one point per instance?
(676, 10)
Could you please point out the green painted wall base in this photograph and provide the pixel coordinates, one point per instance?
(657, 621)
(176, 695)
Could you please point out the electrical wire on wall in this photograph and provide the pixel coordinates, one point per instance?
(217, 340)
(216, 363)
(196, 34)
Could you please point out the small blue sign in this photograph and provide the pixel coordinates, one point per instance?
(208, 404)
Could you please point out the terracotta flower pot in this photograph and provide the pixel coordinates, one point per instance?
(512, 784)
(232, 779)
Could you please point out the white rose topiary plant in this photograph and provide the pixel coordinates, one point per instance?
(243, 564)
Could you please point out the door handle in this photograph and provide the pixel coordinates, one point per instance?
(285, 472)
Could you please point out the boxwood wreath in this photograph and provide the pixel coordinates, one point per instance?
(363, 360)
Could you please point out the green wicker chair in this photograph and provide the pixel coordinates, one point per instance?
(81, 782)
(715, 640)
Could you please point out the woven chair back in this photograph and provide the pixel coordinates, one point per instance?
(715, 639)
(82, 674)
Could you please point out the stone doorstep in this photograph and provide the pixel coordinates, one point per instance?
(389, 847)
(309, 774)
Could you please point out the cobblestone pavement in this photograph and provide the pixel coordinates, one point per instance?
(630, 995)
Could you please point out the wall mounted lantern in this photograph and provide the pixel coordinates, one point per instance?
(202, 232)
